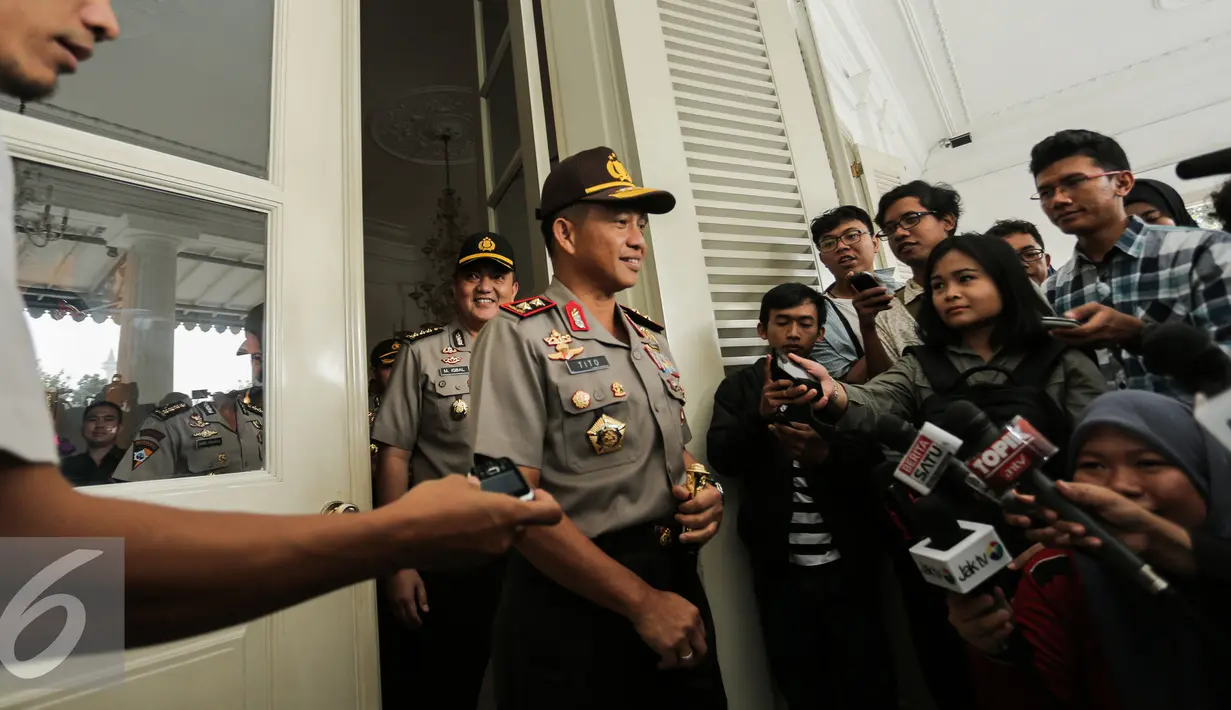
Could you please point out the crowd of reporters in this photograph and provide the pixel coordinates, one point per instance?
(1116, 604)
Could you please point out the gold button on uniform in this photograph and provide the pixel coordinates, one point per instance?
(581, 399)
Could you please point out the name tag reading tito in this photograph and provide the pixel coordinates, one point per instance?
(582, 365)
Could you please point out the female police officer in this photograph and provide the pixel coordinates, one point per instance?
(607, 609)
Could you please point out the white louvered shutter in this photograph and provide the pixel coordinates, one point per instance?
(752, 219)
(879, 173)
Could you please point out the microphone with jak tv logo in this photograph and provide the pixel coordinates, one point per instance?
(1009, 459)
(957, 555)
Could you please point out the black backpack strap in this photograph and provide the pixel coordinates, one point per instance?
(838, 312)
(1035, 369)
(941, 373)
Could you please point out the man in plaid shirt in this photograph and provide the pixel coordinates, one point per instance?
(1125, 274)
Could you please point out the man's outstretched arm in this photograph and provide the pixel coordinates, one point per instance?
(189, 572)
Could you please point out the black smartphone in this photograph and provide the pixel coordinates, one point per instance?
(862, 281)
(1050, 322)
(502, 476)
(782, 367)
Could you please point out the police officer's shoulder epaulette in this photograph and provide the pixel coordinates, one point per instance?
(170, 411)
(528, 306)
(423, 333)
(643, 320)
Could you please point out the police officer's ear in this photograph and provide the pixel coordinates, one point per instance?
(516, 287)
(567, 226)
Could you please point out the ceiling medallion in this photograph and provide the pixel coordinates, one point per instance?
(411, 127)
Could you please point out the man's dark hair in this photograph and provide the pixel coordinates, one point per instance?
(1019, 324)
(575, 213)
(1221, 198)
(1105, 151)
(119, 413)
(790, 295)
(1007, 227)
(831, 219)
(939, 198)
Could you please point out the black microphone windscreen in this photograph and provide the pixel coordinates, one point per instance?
(895, 433)
(1216, 163)
(969, 423)
(1186, 353)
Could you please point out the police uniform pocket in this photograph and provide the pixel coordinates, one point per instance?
(595, 433)
(207, 456)
(449, 396)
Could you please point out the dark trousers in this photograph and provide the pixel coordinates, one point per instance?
(441, 664)
(825, 637)
(553, 649)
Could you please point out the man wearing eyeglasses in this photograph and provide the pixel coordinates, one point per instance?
(1025, 239)
(851, 348)
(1124, 273)
(914, 218)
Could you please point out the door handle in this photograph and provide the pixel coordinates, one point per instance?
(337, 507)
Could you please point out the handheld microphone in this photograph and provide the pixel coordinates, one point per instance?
(957, 555)
(1216, 163)
(1187, 354)
(926, 453)
(1009, 460)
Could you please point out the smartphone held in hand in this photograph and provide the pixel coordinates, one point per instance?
(1051, 322)
(502, 476)
(862, 281)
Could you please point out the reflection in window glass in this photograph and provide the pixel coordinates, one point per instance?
(146, 311)
(495, 22)
(502, 112)
(512, 217)
(188, 78)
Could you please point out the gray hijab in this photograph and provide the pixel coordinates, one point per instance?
(1156, 654)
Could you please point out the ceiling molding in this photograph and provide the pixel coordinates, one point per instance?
(1178, 4)
(941, 72)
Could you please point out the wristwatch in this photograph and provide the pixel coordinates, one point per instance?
(722, 495)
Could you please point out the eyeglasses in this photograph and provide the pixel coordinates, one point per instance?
(1069, 185)
(908, 220)
(1031, 254)
(829, 244)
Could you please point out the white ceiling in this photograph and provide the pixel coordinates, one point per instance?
(1012, 72)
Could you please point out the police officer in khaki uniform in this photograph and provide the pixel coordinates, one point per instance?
(606, 610)
(423, 432)
(223, 436)
(381, 360)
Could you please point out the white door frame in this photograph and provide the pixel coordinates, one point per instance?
(315, 346)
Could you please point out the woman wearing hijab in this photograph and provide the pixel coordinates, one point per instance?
(1157, 203)
(1079, 635)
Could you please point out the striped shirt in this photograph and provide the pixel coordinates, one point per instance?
(1157, 274)
(810, 542)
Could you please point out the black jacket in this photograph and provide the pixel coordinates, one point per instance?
(740, 446)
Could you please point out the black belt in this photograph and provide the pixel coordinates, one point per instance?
(663, 534)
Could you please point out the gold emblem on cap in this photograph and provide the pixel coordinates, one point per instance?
(617, 390)
(581, 399)
(396, 346)
(617, 170)
(487, 244)
(459, 410)
(607, 435)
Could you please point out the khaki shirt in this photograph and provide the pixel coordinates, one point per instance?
(195, 440)
(896, 326)
(902, 389)
(426, 409)
(603, 421)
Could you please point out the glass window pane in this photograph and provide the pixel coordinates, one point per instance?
(143, 299)
(513, 219)
(188, 78)
(502, 114)
(495, 21)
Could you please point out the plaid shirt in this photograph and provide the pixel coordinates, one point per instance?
(1157, 274)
